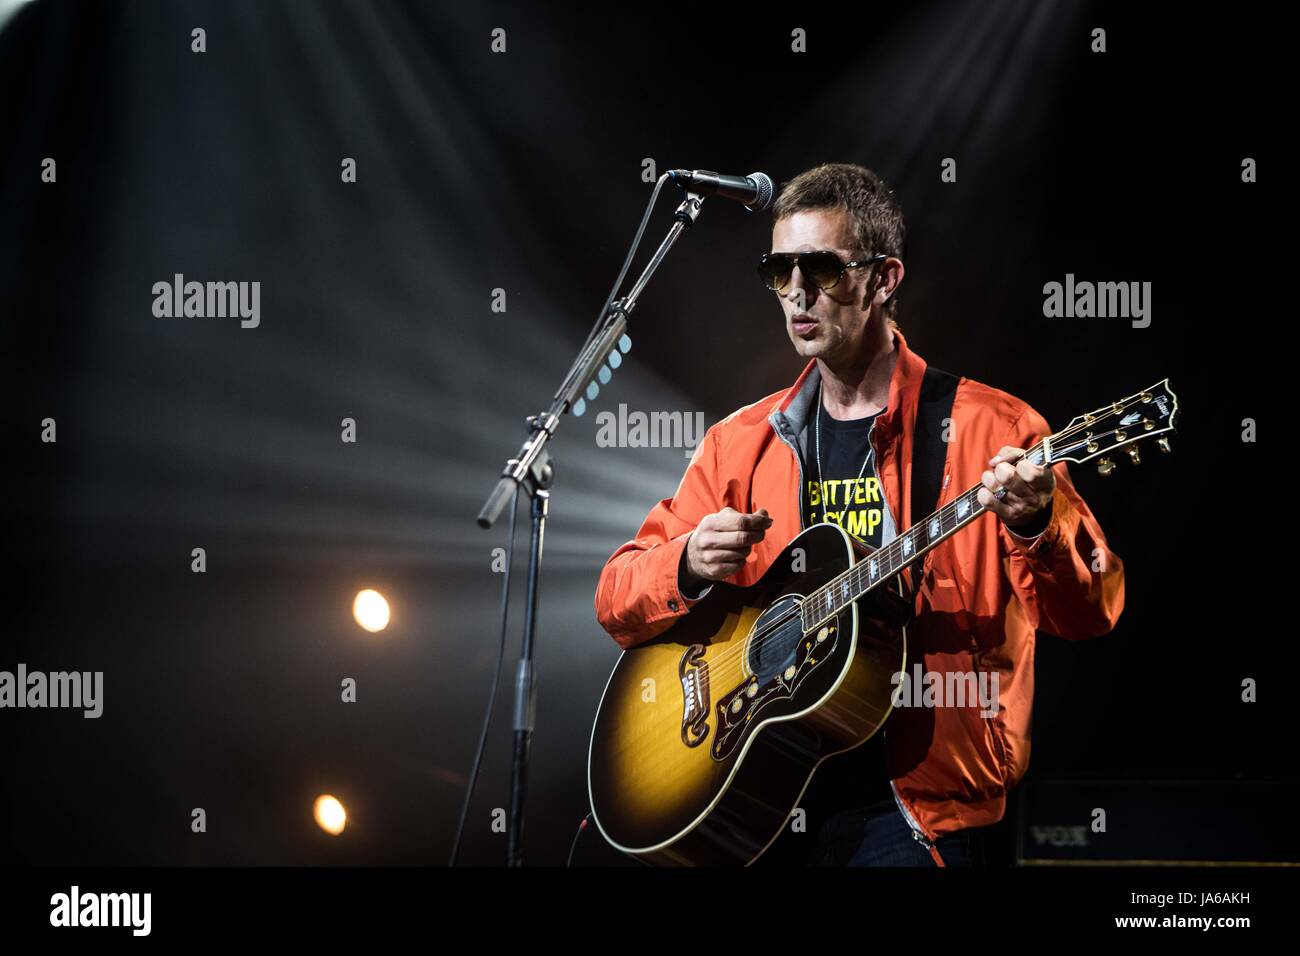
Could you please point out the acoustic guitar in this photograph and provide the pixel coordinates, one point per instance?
(707, 736)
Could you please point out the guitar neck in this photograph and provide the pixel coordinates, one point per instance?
(906, 548)
(1149, 413)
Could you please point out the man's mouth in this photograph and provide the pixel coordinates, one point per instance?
(803, 324)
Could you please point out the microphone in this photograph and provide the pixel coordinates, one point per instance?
(754, 190)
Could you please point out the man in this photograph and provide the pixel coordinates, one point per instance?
(838, 446)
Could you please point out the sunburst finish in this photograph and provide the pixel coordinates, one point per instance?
(707, 736)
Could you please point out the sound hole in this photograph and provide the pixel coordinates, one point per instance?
(773, 644)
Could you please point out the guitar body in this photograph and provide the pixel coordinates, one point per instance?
(708, 735)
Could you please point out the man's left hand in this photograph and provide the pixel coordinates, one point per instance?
(1029, 488)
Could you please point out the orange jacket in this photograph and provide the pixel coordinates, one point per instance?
(982, 593)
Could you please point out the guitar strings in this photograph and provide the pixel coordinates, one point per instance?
(853, 573)
(772, 628)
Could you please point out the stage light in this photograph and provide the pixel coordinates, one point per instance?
(8, 8)
(371, 610)
(330, 815)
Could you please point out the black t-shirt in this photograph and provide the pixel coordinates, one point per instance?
(848, 493)
(852, 499)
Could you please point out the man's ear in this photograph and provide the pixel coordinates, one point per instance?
(895, 289)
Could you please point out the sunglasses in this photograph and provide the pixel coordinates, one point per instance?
(823, 268)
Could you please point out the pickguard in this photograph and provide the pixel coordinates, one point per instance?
(779, 658)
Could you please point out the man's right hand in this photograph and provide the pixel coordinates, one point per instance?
(719, 545)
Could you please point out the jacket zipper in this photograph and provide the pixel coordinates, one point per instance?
(917, 833)
(875, 457)
(798, 461)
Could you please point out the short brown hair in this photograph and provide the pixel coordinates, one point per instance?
(874, 213)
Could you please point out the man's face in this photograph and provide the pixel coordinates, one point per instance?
(825, 324)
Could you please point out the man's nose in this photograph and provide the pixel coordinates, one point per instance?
(799, 288)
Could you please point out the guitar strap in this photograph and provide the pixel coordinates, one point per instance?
(929, 450)
(929, 455)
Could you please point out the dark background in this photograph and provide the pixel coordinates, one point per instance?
(523, 171)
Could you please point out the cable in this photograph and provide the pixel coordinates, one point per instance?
(627, 264)
(574, 845)
(496, 677)
(631, 254)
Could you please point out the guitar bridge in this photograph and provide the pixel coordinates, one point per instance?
(693, 671)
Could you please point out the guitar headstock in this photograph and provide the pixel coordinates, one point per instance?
(1149, 413)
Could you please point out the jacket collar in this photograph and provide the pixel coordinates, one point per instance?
(792, 412)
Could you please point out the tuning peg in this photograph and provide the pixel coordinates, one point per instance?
(1133, 455)
(1163, 443)
(1105, 467)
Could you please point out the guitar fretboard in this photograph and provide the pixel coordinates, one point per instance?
(892, 558)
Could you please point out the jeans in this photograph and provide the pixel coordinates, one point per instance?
(877, 835)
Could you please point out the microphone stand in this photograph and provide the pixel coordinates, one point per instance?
(532, 471)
